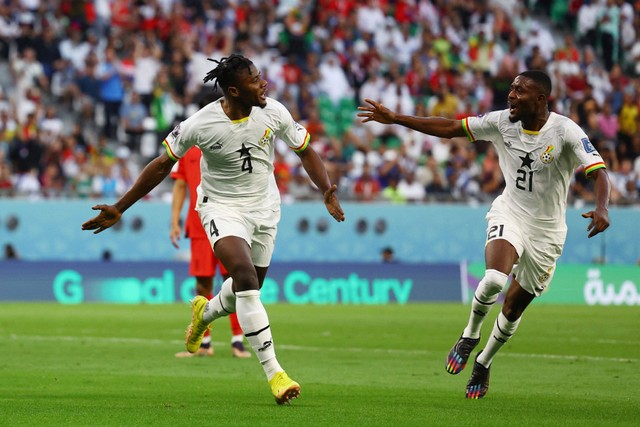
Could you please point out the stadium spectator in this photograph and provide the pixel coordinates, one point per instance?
(607, 122)
(74, 48)
(366, 187)
(411, 190)
(10, 252)
(28, 72)
(437, 36)
(133, 113)
(624, 183)
(608, 29)
(587, 24)
(387, 255)
(25, 153)
(628, 117)
(48, 51)
(300, 187)
(146, 60)
(6, 181)
(112, 91)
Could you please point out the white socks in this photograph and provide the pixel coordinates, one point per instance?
(254, 322)
(502, 331)
(483, 299)
(223, 304)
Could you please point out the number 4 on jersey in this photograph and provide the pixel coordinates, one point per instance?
(213, 230)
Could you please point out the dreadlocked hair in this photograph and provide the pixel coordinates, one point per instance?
(226, 71)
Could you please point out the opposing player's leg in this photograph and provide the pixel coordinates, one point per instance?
(500, 256)
(237, 338)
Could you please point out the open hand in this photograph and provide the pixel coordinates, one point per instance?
(333, 204)
(108, 216)
(599, 221)
(174, 235)
(376, 112)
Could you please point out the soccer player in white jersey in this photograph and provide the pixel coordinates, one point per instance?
(238, 200)
(538, 154)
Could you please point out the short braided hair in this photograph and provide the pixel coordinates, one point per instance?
(226, 71)
(540, 78)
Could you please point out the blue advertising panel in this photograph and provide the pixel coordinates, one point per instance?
(293, 283)
(421, 233)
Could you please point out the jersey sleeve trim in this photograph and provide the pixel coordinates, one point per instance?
(465, 126)
(593, 167)
(169, 152)
(304, 145)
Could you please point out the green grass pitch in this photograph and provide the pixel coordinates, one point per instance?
(114, 365)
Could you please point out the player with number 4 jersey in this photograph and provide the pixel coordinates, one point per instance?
(237, 155)
(238, 202)
(526, 227)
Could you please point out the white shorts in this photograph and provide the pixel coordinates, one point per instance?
(537, 252)
(257, 227)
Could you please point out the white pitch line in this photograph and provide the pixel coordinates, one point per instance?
(152, 341)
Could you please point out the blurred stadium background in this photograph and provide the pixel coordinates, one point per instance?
(88, 90)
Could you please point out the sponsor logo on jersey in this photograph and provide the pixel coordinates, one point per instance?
(588, 146)
(546, 157)
(267, 137)
(508, 144)
(216, 146)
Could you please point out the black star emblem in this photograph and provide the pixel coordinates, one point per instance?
(244, 151)
(526, 161)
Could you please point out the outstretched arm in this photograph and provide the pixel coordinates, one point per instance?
(436, 126)
(312, 163)
(149, 178)
(599, 216)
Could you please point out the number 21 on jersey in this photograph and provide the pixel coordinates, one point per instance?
(495, 231)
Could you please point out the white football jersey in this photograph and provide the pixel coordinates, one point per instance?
(237, 155)
(537, 166)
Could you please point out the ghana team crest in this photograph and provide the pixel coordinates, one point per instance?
(267, 137)
(547, 157)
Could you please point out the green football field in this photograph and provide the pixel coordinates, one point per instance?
(114, 365)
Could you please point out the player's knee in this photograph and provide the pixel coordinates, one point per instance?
(245, 281)
(492, 283)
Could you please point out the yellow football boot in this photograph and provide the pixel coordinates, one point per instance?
(197, 327)
(284, 388)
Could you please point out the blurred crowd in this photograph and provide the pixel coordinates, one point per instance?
(89, 89)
